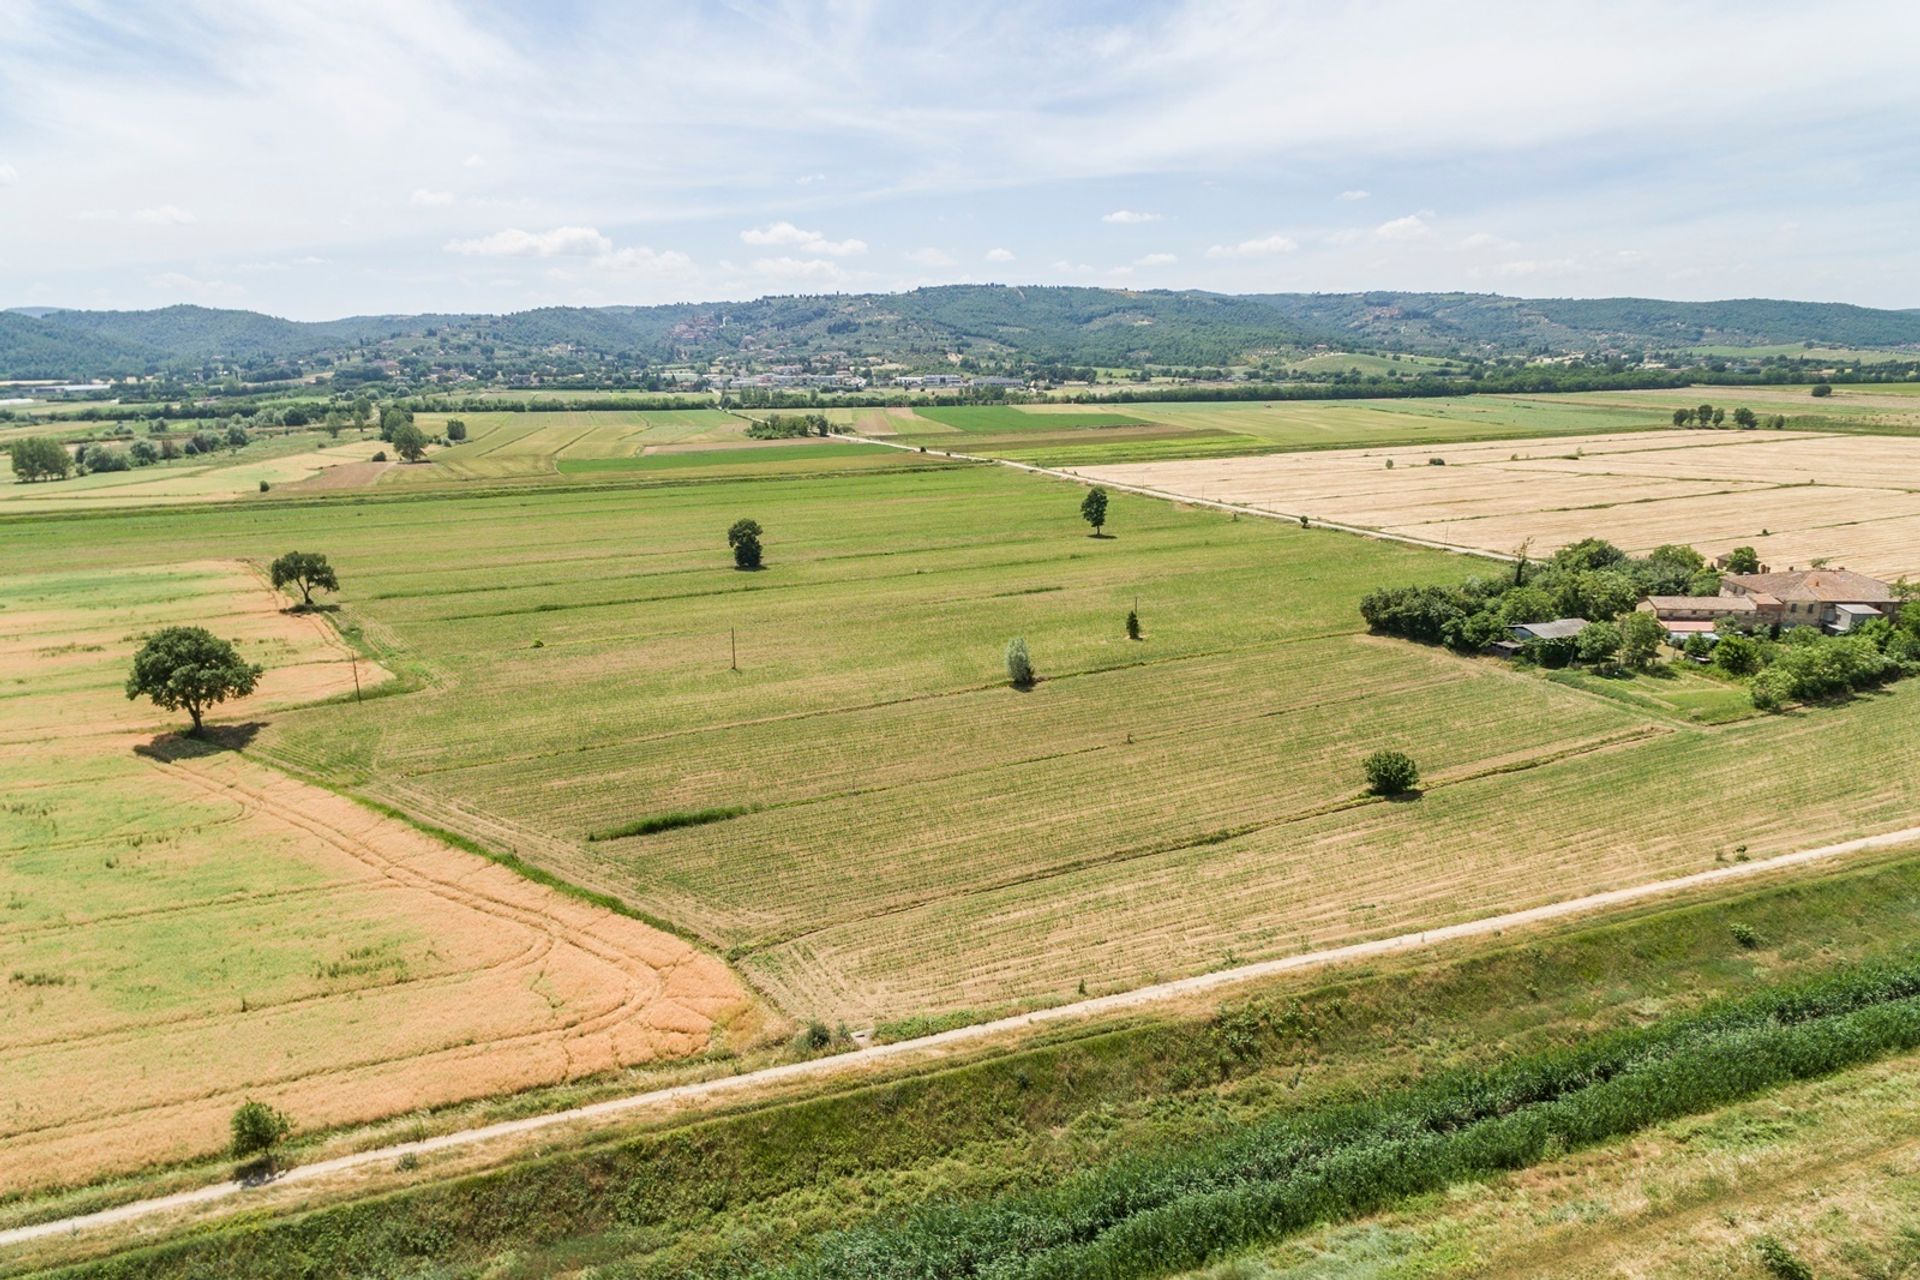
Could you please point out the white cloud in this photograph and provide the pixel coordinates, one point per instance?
(1256, 248)
(785, 234)
(1354, 195)
(1156, 260)
(165, 215)
(1129, 216)
(999, 255)
(788, 268)
(515, 243)
(808, 179)
(1412, 227)
(474, 161)
(8, 175)
(931, 257)
(640, 258)
(1483, 240)
(429, 199)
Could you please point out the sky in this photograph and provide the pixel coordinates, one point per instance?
(348, 157)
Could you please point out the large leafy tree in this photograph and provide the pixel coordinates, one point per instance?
(307, 570)
(190, 669)
(40, 458)
(744, 538)
(410, 442)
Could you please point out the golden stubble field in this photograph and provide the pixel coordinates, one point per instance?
(182, 928)
(1793, 496)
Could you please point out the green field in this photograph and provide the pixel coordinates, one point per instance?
(913, 836)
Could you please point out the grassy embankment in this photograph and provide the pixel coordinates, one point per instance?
(1496, 1058)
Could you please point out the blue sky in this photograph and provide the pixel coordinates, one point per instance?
(323, 159)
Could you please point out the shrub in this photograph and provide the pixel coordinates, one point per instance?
(1019, 663)
(264, 486)
(1822, 390)
(1133, 624)
(1744, 935)
(257, 1129)
(1779, 1261)
(456, 429)
(379, 455)
(98, 457)
(143, 453)
(1390, 772)
(1597, 643)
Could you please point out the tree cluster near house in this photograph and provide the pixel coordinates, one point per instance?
(1583, 606)
(1591, 580)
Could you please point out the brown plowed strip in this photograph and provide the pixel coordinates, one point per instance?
(284, 942)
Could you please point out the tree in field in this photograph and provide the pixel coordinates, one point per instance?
(1597, 643)
(1093, 509)
(1019, 664)
(142, 453)
(1703, 415)
(392, 418)
(1640, 636)
(362, 411)
(41, 458)
(257, 1129)
(1681, 417)
(1745, 418)
(456, 430)
(1822, 389)
(1390, 772)
(409, 441)
(307, 570)
(744, 538)
(333, 422)
(1719, 416)
(1743, 560)
(1133, 624)
(236, 436)
(190, 669)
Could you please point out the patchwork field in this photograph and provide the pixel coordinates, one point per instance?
(223, 476)
(872, 825)
(1853, 501)
(182, 927)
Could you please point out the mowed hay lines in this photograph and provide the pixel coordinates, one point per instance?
(1794, 497)
(185, 928)
(507, 445)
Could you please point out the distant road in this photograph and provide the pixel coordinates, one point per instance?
(839, 1064)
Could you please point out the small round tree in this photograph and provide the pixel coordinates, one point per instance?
(1093, 509)
(1019, 663)
(307, 570)
(1597, 643)
(456, 430)
(1390, 772)
(257, 1130)
(744, 538)
(1133, 624)
(190, 669)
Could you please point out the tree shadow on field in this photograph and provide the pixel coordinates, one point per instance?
(315, 607)
(1404, 797)
(169, 748)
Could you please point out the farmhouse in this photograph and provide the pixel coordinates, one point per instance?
(1837, 599)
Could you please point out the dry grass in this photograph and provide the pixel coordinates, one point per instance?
(181, 927)
(1854, 500)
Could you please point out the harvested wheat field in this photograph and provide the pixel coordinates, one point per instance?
(1793, 496)
(184, 928)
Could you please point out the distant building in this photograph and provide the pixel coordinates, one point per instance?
(1558, 629)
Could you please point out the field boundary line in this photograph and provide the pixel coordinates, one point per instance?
(849, 1062)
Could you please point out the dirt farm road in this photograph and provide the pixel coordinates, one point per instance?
(931, 1046)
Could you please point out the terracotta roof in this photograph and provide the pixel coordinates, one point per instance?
(1829, 586)
(1719, 604)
